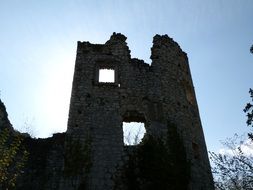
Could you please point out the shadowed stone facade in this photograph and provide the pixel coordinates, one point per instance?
(153, 94)
(92, 151)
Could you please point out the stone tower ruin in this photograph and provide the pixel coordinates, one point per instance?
(91, 155)
(156, 94)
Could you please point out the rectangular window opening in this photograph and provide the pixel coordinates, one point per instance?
(106, 76)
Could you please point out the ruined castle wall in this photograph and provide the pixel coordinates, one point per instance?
(155, 94)
(92, 153)
(43, 167)
(180, 105)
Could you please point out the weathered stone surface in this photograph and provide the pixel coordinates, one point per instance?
(92, 151)
(43, 168)
(155, 94)
(45, 162)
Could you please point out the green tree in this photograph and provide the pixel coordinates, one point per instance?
(12, 158)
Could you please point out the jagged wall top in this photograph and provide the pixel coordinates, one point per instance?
(156, 94)
(160, 42)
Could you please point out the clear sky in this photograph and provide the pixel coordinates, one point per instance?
(38, 42)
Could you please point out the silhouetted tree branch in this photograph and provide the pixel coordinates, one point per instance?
(233, 169)
(249, 111)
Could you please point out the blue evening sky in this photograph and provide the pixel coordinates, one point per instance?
(38, 47)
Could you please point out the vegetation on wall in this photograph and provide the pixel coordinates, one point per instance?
(13, 157)
(77, 160)
(157, 164)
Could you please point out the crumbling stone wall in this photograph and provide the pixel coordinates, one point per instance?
(154, 94)
(43, 168)
(91, 154)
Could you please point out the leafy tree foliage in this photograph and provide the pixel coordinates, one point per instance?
(249, 111)
(233, 169)
(12, 158)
